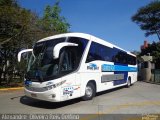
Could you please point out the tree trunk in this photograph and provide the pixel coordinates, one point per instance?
(158, 34)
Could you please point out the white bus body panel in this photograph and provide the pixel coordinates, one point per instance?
(75, 83)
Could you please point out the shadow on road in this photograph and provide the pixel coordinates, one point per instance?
(45, 104)
(110, 91)
(53, 105)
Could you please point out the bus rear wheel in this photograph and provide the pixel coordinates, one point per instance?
(128, 83)
(89, 91)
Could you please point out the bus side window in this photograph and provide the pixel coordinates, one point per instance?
(104, 53)
(92, 54)
(99, 52)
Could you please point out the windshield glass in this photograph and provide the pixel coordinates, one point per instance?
(41, 63)
(42, 66)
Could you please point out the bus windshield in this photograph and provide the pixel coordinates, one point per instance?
(42, 66)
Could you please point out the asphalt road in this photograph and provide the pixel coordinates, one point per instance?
(141, 98)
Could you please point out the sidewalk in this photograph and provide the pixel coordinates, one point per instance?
(11, 89)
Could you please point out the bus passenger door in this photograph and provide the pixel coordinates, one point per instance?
(68, 70)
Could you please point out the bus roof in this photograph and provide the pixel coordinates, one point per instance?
(85, 36)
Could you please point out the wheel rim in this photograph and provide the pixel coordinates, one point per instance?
(89, 91)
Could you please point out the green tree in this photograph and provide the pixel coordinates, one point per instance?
(52, 22)
(21, 28)
(18, 30)
(148, 18)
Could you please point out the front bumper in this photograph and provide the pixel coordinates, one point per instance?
(52, 95)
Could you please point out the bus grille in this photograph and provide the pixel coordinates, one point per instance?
(34, 89)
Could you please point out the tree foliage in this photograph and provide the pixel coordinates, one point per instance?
(148, 18)
(52, 21)
(154, 50)
(21, 28)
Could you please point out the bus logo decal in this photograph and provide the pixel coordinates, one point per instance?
(69, 90)
(92, 66)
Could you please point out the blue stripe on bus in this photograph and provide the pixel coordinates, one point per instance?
(110, 68)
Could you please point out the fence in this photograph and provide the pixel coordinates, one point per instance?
(155, 76)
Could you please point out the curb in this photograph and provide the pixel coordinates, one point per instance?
(156, 83)
(11, 89)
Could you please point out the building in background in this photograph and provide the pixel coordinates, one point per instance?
(147, 71)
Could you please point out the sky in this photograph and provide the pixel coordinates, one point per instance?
(109, 20)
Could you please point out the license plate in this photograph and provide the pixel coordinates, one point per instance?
(33, 95)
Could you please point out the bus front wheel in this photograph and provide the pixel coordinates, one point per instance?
(89, 91)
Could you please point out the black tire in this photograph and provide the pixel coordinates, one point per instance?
(90, 91)
(128, 83)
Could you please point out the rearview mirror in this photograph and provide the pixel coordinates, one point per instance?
(23, 51)
(59, 46)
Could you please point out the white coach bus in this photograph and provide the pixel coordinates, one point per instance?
(73, 65)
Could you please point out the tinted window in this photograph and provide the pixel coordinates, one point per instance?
(76, 53)
(43, 67)
(119, 56)
(104, 53)
(95, 53)
(69, 59)
(131, 60)
(82, 43)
